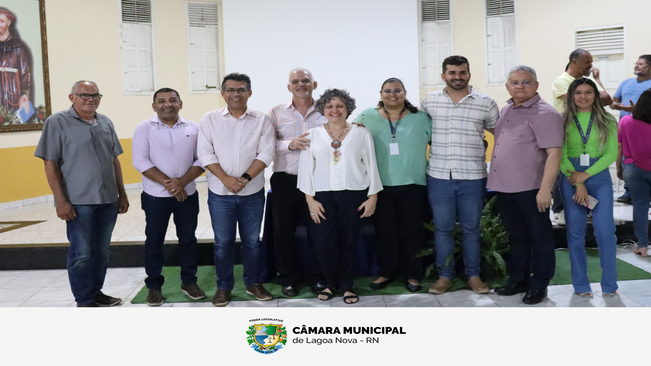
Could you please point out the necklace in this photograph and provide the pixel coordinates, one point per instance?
(336, 141)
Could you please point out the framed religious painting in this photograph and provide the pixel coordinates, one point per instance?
(25, 89)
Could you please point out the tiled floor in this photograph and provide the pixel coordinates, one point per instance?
(50, 288)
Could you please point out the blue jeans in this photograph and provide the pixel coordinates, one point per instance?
(639, 186)
(449, 199)
(157, 215)
(227, 211)
(600, 187)
(89, 235)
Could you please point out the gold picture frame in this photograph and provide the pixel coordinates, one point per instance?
(25, 82)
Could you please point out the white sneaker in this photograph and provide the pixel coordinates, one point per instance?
(559, 218)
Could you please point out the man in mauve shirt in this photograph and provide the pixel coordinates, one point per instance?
(165, 152)
(525, 162)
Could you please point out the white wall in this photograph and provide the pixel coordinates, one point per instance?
(354, 45)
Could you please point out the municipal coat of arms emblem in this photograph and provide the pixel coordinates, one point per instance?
(266, 338)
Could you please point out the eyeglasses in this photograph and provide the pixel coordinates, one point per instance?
(394, 91)
(85, 96)
(238, 91)
(525, 84)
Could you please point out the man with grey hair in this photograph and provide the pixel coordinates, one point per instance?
(291, 122)
(526, 158)
(580, 65)
(80, 150)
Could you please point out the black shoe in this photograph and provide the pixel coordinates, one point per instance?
(90, 305)
(103, 300)
(318, 287)
(289, 291)
(380, 285)
(512, 288)
(412, 288)
(534, 296)
(625, 198)
(155, 297)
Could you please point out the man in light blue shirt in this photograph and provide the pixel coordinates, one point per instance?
(630, 90)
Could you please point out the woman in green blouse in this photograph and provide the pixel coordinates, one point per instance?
(401, 134)
(590, 148)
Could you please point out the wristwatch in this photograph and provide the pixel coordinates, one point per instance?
(247, 176)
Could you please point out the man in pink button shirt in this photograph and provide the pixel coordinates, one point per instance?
(291, 121)
(165, 152)
(527, 155)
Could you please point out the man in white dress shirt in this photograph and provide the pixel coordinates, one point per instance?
(235, 145)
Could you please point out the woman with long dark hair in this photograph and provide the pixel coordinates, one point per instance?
(634, 135)
(401, 134)
(590, 148)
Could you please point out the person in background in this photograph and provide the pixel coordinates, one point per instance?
(634, 136)
(626, 96)
(590, 147)
(401, 134)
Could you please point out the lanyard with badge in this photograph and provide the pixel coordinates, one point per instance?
(393, 146)
(584, 159)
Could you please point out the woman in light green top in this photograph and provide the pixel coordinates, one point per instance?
(401, 134)
(590, 148)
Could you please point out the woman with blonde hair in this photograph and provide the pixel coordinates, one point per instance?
(590, 148)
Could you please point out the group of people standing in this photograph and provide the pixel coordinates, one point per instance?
(331, 173)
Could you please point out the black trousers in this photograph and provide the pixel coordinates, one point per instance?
(335, 238)
(533, 260)
(399, 231)
(289, 210)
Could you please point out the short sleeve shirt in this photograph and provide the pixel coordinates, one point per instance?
(630, 90)
(84, 153)
(457, 148)
(521, 137)
(560, 86)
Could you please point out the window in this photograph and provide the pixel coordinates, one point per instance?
(137, 60)
(203, 46)
(436, 39)
(500, 33)
(607, 48)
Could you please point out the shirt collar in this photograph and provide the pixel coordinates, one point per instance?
(73, 112)
(290, 105)
(472, 91)
(226, 112)
(531, 101)
(180, 121)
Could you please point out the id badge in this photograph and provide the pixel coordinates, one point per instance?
(584, 160)
(393, 148)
